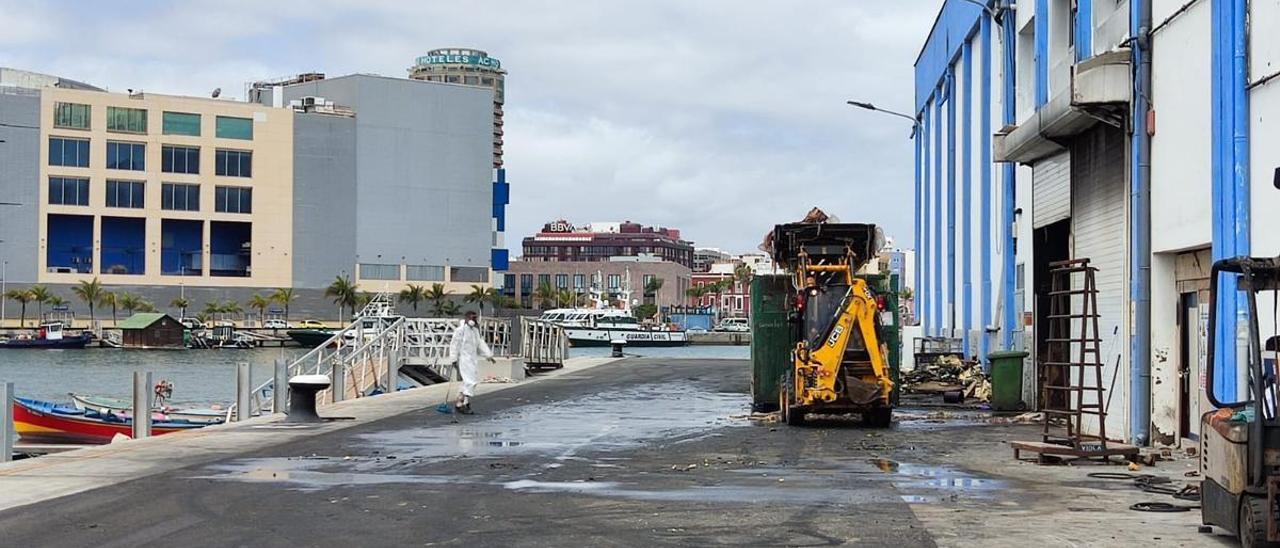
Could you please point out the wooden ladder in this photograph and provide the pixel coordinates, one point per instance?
(1071, 378)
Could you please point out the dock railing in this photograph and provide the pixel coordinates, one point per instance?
(543, 344)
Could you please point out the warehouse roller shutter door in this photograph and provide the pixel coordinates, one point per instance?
(1051, 190)
(1099, 232)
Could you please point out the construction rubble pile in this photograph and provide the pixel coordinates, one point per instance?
(949, 374)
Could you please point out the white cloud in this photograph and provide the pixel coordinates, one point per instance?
(717, 117)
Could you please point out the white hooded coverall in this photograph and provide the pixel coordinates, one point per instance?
(464, 346)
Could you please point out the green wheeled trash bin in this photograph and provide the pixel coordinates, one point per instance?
(1006, 380)
(771, 341)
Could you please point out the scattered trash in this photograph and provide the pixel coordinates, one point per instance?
(952, 377)
(498, 380)
(1134, 467)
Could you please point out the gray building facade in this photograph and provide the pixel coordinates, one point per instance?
(423, 190)
(20, 181)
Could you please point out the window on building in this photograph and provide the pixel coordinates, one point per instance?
(579, 281)
(234, 128)
(233, 199)
(68, 152)
(181, 123)
(544, 279)
(179, 197)
(181, 247)
(71, 116)
(126, 120)
(370, 271)
(473, 80)
(486, 81)
(70, 243)
(68, 191)
(123, 248)
(233, 163)
(125, 193)
(176, 159)
(230, 248)
(128, 156)
(526, 283)
(615, 281)
(562, 281)
(424, 273)
(469, 274)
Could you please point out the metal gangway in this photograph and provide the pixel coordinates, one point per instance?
(366, 357)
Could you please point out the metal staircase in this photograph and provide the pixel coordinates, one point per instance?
(371, 355)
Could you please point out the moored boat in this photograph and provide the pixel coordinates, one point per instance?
(310, 338)
(124, 407)
(604, 323)
(38, 421)
(50, 335)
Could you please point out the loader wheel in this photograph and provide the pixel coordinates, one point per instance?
(1253, 523)
(880, 417)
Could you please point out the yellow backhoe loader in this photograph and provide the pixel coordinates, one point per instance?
(840, 364)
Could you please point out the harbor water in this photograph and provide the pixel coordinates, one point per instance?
(203, 377)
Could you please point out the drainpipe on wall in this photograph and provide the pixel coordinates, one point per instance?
(1012, 308)
(984, 241)
(1140, 229)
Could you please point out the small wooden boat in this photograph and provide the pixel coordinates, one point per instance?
(124, 407)
(47, 422)
(50, 335)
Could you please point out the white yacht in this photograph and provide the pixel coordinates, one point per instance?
(601, 324)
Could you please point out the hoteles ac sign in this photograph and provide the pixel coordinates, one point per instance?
(478, 60)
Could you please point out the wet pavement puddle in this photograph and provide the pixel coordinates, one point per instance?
(564, 432)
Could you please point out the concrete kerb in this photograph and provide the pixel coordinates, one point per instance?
(33, 480)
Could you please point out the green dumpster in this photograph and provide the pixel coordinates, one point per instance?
(1006, 380)
(771, 341)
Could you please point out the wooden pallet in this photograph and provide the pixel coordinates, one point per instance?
(1111, 449)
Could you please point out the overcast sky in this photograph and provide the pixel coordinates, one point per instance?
(720, 118)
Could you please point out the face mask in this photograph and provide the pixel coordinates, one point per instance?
(471, 323)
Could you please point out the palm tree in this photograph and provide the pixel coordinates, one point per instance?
(22, 297)
(285, 296)
(481, 294)
(449, 309)
(696, 293)
(130, 302)
(438, 295)
(260, 303)
(413, 295)
(112, 300)
(146, 306)
(743, 273)
(363, 299)
(231, 307)
(545, 295)
(343, 293)
(89, 291)
(40, 294)
(181, 303)
(213, 308)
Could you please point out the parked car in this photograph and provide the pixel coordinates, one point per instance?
(224, 323)
(734, 325)
(696, 329)
(310, 324)
(277, 323)
(192, 323)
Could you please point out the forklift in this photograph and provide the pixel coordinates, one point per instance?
(1240, 440)
(839, 360)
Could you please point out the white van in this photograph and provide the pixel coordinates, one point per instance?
(734, 325)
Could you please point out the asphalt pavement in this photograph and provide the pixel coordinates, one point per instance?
(640, 452)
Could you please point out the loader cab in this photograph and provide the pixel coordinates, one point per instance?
(1240, 438)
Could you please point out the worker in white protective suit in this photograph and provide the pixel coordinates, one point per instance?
(463, 348)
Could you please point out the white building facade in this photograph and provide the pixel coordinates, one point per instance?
(1126, 133)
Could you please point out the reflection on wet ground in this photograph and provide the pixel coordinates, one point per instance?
(604, 422)
(531, 448)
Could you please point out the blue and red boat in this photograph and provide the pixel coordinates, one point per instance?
(40, 421)
(49, 335)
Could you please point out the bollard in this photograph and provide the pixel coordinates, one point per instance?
(142, 391)
(393, 371)
(280, 388)
(339, 382)
(617, 347)
(243, 389)
(302, 399)
(6, 422)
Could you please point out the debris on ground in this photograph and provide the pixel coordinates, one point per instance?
(498, 380)
(949, 374)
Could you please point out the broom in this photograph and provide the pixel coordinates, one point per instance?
(444, 406)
